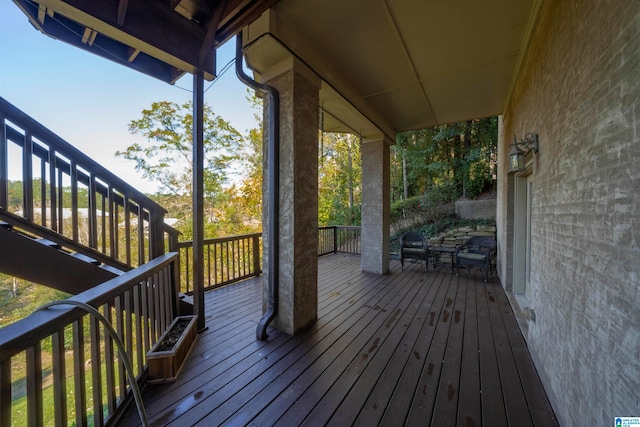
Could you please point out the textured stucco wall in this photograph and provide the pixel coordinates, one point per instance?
(298, 266)
(579, 88)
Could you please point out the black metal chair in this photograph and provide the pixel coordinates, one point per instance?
(478, 252)
(414, 246)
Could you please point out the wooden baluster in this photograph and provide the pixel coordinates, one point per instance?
(59, 379)
(5, 396)
(127, 228)
(208, 276)
(256, 255)
(141, 252)
(109, 361)
(160, 326)
(92, 213)
(43, 192)
(27, 177)
(145, 315)
(103, 223)
(188, 268)
(137, 304)
(152, 311)
(79, 373)
(226, 251)
(113, 225)
(74, 201)
(215, 263)
(4, 169)
(127, 336)
(34, 385)
(96, 371)
(53, 189)
(60, 201)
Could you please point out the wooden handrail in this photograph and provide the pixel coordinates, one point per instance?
(226, 260)
(37, 130)
(220, 269)
(140, 304)
(121, 221)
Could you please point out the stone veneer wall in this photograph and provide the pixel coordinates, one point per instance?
(579, 89)
(459, 236)
(476, 209)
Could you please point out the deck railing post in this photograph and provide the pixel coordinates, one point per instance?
(335, 239)
(156, 233)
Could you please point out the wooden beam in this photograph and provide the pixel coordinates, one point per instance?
(240, 17)
(122, 11)
(133, 54)
(209, 41)
(146, 27)
(41, 13)
(105, 47)
(89, 36)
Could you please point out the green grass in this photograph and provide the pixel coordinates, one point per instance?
(25, 301)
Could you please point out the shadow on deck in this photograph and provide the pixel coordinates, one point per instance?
(410, 348)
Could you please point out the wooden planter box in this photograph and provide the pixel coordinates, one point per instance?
(165, 366)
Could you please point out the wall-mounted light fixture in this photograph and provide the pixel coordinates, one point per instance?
(516, 155)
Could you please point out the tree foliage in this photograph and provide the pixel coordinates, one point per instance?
(165, 156)
(339, 179)
(456, 159)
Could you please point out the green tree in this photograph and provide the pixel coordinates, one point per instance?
(339, 179)
(165, 157)
(457, 160)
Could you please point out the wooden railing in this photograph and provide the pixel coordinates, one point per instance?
(226, 260)
(59, 367)
(230, 259)
(73, 196)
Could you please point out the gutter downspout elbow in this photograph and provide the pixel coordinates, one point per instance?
(273, 185)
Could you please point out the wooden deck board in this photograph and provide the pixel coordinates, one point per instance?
(408, 348)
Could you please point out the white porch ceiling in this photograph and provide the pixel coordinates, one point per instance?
(407, 64)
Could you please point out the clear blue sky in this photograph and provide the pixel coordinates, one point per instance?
(88, 100)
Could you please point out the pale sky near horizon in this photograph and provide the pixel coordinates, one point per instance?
(89, 101)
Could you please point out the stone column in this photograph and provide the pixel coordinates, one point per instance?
(298, 264)
(376, 205)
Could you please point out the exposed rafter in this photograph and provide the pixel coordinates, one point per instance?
(162, 38)
(122, 11)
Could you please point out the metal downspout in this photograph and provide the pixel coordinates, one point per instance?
(273, 186)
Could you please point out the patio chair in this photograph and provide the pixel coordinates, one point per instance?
(477, 252)
(414, 246)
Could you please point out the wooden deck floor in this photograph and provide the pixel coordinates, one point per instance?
(411, 348)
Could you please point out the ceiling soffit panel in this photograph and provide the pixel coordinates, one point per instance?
(412, 64)
(292, 32)
(487, 88)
